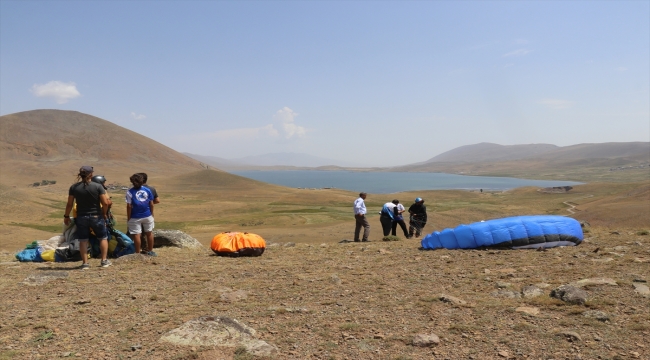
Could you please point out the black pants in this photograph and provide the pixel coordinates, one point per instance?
(386, 224)
(402, 224)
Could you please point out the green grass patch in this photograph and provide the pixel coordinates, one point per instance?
(48, 228)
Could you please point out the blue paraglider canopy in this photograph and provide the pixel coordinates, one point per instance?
(519, 232)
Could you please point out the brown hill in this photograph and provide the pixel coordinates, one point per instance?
(51, 144)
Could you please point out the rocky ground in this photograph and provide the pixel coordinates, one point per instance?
(376, 300)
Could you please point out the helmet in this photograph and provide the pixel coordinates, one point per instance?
(417, 200)
(100, 179)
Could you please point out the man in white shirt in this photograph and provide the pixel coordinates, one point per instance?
(360, 217)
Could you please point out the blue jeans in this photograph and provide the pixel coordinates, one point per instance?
(86, 222)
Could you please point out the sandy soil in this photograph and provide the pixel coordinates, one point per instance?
(360, 301)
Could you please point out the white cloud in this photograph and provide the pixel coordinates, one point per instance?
(621, 69)
(518, 52)
(60, 91)
(556, 104)
(285, 117)
(137, 117)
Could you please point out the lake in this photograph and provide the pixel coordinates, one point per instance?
(392, 182)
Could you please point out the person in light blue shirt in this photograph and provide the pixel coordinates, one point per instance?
(139, 213)
(360, 217)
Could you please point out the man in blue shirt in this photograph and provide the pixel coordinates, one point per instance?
(139, 213)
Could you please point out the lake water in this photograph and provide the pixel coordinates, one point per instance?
(391, 182)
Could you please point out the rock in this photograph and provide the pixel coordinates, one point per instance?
(425, 340)
(594, 282)
(506, 294)
(542, 285)
(233, 296)
(219, 331)
(174, 238)
(641, 289)
(136, 347)
(570, 335)
(289, 244)
(528, 310)
(133, 258)
(603, 260)
(384, 251)
(43, 277)
(82, 301)
(334, 279)
(531, 291)
(570, 294)
(452, 300)
(595, 314)
(504, 354)
(641, 260)
(503, 285)
(621, 248)
(323, 245)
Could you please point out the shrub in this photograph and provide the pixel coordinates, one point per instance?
(643, 232)
(36, 184)
(390, 238)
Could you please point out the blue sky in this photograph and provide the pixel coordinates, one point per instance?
(375, 83)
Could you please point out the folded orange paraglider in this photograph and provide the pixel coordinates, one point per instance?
(236, 244)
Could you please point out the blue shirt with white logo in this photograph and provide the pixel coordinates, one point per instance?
(139, 200)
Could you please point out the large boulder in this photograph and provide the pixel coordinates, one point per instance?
(174, 238)
(570, 294)
(219, 331)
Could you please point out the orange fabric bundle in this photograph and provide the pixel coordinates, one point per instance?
(236, 244)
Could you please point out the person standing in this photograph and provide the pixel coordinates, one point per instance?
(153, 190)
(139, 213)
(360, 217)
(398, 210)
(386, 217)
(92, 210)
(418, 217)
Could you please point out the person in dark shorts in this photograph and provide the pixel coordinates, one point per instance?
(92, 209)
(418, 218)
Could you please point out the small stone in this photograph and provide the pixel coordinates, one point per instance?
(425, 340)
(595, 282)
(635, 354)
(83, 301)
(603, 260)
(641, 289)
(506, 294)
(136, 347)
(528, 310)
(503, 285)
(378, 336)
(531, 291)
(323, 245)
(451, 300)
(384, 251)
(233, 296)
(570, 335)
(595, 314)
(334, 279)
(504, 354)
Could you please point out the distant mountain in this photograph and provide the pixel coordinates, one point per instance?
(584, 161)
(289, 159)
(491, 152)
(212, 160)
